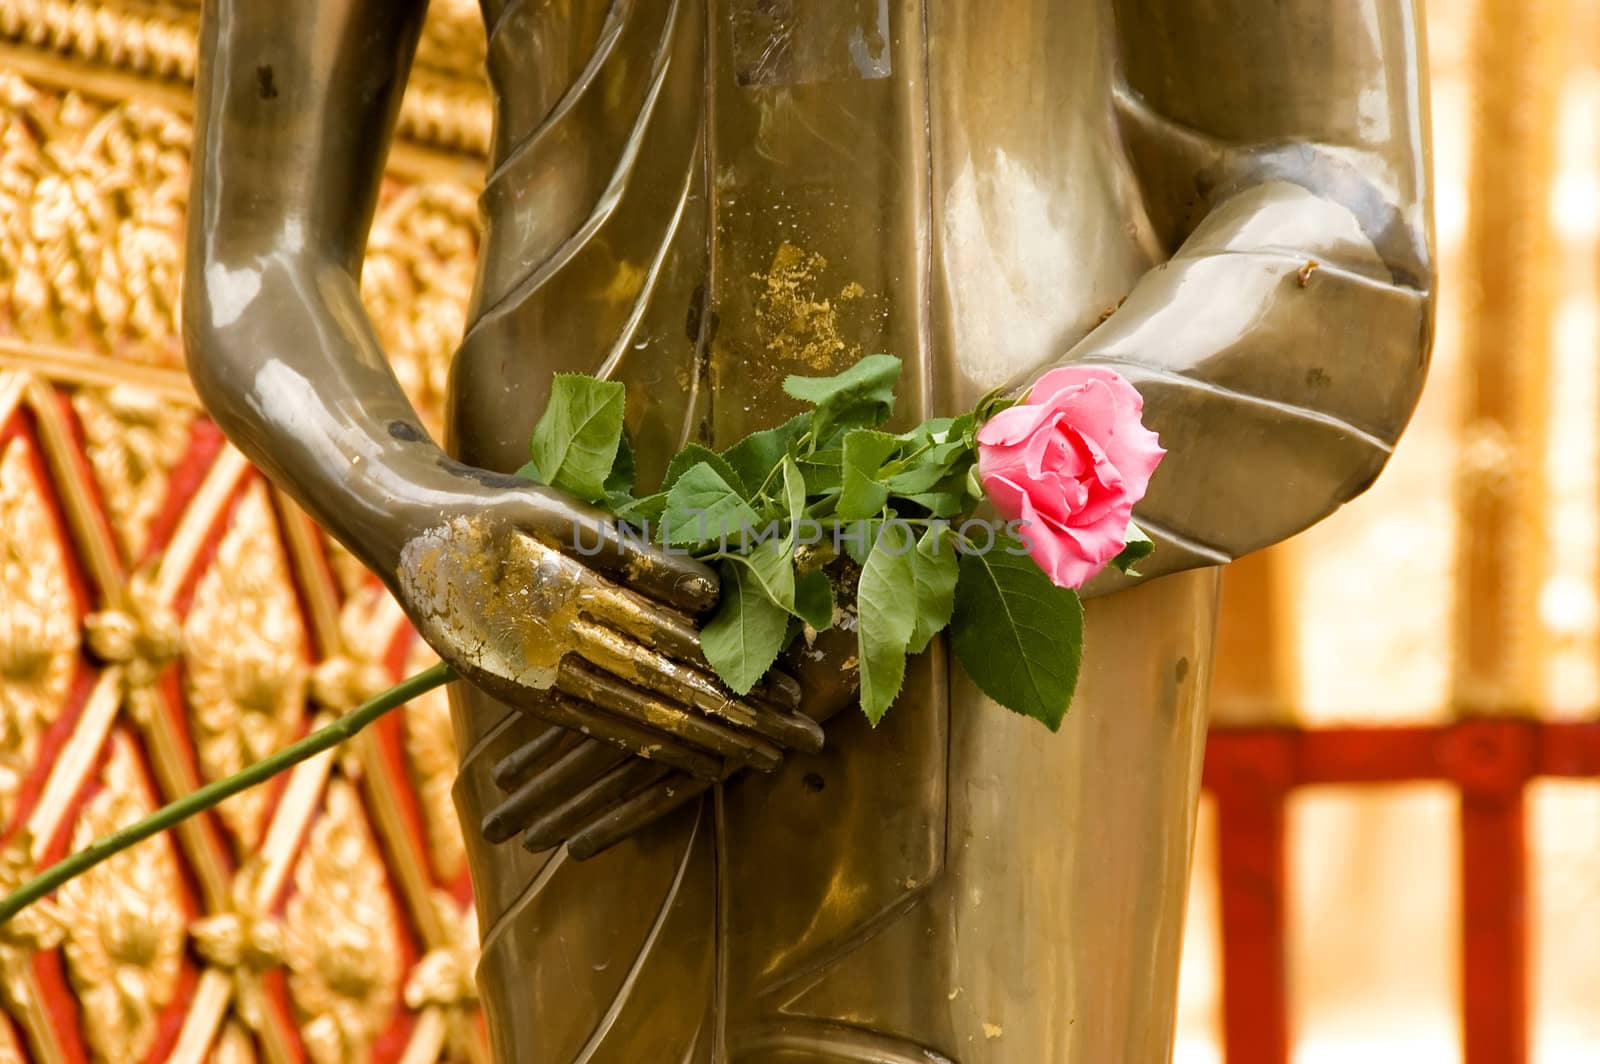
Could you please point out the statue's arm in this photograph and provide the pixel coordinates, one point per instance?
(295, 104)
(1281, 148)
(296, 101)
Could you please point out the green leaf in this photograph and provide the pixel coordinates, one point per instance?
(620, 480)
(920, 477)
(948, 498)
(886, 609)
(948, 504)
(935, 569)
(864, 392)
(758, 454)
(702, 507)
(935, 429)
(746, 634)
(992, 403)
(974, 482)
(822, 471)
(692, 455)
(813, 600)
(1139, 547)
(861, 494)
(771, 564)
(858, 537)
(637, 511)
(1017, 635)
(575, 442)
(794, 493)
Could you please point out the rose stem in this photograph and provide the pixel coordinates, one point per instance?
(168, 815)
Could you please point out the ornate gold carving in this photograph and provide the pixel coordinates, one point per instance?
(38, 633)
(233, 1047)
(452, 42)
(340, 938)
(138, 41)
(343, 683)
(142, 634)
(92, 194)
(444, 976)
(132, 438)
(91, 217)
(416, 284)
(431, 750)
(446, 105)
(125, 926)
(37, 927)
(240, 938)
(245, 650)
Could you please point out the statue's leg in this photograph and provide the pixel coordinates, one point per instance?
(968, 889)
(606, 960)
(1050, 931)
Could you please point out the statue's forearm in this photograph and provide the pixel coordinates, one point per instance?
(295, 103)
(291, 370)
(1282, 347)
(1279, 361)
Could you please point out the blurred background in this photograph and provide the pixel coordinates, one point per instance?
(1399, 849)
(1398, 855)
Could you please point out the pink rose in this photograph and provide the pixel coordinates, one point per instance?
(1071, 460)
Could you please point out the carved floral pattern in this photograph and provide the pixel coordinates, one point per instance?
(431, 749)
(132, 439)
(92, 195)
(39, 635)
(124, 924)
(416, 284)
(245, 656)
(91, 217)
(341, 935)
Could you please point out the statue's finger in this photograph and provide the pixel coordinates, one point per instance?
(621, 656)
(663, 630)
(606, 544)
(636, 616)
(510, 770)
(594, 543)
(550, 786)
(555, 825)
(569, 712)
(779, 689)
(633, 813)
(660, 715)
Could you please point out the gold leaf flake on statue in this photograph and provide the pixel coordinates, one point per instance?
(244, 651)
(124, 923)
(793, 320)
(39, 637)
(341, 935)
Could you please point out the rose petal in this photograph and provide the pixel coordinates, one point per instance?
(1006, 494)
(1012, 425)
(1136, 452)
(1068, 556)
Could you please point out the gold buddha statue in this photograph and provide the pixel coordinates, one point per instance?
(1227, 202)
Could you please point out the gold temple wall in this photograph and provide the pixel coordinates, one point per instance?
(166, 617)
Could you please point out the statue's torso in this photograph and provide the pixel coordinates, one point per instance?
(700, 202)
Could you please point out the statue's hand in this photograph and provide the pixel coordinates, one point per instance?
(522, 591)
(591, 797)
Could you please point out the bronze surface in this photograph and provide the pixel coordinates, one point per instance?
(1227, 203)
